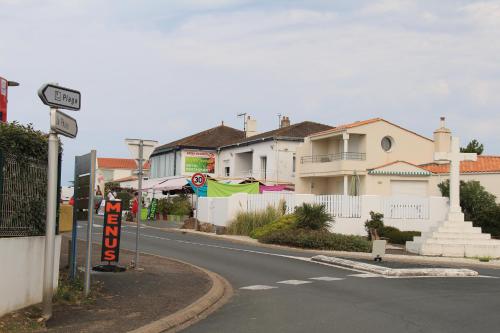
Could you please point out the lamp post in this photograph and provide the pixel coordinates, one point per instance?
(4, 85)
(140, 150)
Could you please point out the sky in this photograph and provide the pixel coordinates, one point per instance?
(163, 70)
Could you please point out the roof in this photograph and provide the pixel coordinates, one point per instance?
(125, 179)
(404, 169)
(483, 164)
(209, 139)
(362, 123)
(118, 163)
(295, 131)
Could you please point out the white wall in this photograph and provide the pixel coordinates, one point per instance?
(279, 160)
(21, 275)
(220, 211)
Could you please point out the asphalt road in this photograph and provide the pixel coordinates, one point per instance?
(319, 298)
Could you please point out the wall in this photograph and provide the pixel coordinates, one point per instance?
(381, 184)
(220, 211)
(22, 271)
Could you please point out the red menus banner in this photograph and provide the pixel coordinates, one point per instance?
(111, 231)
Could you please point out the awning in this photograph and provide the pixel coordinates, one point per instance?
(171, 184)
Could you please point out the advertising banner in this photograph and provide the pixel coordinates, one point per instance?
(153, 207)
(199, 161)
(111, 231)
(3, 100)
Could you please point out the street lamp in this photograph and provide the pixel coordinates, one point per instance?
(4, 85)
(12, 83)
(140, 150)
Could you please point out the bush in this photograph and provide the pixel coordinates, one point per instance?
(285, 222)
(374, 225)
(396, 236)
(313, 217)
(246, 222)
(317, 239)
(179, 205)
(125, 197)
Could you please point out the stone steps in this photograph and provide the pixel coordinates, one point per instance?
(455, 235)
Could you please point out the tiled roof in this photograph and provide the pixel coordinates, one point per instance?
(379, 170)
(118, 163)
(299, 131)
(125, 179)
(365, 122)
(210, 139)
(483, 164)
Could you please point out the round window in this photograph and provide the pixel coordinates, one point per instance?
(387, 143)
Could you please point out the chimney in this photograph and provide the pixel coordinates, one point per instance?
(442, 138)
(285, 122)
(251, 127)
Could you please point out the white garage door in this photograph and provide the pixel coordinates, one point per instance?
(409, 187)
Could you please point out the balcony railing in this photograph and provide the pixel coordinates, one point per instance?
(333, 157)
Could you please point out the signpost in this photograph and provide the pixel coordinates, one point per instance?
(198, 180)
(55, 97)
(111, 231)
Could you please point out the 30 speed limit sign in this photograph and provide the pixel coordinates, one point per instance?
(198, 180)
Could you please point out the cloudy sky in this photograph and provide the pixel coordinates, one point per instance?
(166, 69)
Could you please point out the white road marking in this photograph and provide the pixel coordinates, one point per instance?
(365, 275)
(326, 278)
(258, 287)
(294, 282)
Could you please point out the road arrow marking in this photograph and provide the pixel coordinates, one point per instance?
(294, 282)
(258, 287)
(326, 278)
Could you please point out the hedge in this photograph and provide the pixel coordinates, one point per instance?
(315, 239)
(396, 236)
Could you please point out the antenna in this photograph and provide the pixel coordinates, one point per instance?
(279, 120)
(244, 115)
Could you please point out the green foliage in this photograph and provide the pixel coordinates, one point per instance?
(162, 206)
(126, 198)
(246, 222)
(23, 141)
(478, 205)
(396, 236)
(110, 186)
(374, 224)
(473, 147)
(313, 216)
(285, 222)
(317, 239)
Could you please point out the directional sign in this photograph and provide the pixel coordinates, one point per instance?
(63, 124)
(60, 97)
(198, 180)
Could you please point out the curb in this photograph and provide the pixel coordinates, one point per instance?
(396, 272)
(220, 292)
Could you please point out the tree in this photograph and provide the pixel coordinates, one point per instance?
(478, 205)
(473, 147)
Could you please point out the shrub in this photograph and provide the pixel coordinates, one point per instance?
(374, 225)
(317, 239)
(313, 217)
(396, 236)
(179, 205)
(125, 197)
(246, 222)
(285, 222)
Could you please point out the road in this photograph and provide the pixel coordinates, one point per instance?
(280, 291)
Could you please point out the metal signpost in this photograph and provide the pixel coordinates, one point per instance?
(140, 150)
(198, 180)
(55, 97)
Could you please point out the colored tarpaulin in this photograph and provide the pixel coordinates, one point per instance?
(273, 188)
(202, 191)
(216, 189)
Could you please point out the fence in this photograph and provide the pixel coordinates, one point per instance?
(257, 202)
(23, 192)
(340, 205)
(406, 208)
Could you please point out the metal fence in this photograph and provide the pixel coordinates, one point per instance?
(23, 193)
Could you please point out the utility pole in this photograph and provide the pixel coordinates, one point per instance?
(244, 115)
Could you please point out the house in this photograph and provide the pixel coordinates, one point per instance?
(194, 153)
(112, 169)
(268, 157)
(377, 157)
(227, 153)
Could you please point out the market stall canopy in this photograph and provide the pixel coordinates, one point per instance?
(163, 184)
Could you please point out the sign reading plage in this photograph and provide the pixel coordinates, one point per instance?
(111, 231)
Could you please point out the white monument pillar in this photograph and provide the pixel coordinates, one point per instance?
(455, 157)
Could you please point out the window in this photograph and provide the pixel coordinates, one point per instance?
(387, 143)
(263, 167)
(227, 171)
(294, 162)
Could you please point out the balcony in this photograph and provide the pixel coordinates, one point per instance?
(332, 164)
(333, 157)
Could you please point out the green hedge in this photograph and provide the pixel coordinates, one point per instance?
(246, 222)
(283, 223)
(396, 236)
(315, 239)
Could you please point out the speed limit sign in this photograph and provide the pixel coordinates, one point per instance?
(198, 180)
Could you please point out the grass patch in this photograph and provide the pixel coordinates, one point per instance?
(285, 222)
(246, 222)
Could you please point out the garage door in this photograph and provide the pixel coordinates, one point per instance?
(409, 187)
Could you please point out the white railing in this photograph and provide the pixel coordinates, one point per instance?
(256, 202)
(340, 205)
(405, 208)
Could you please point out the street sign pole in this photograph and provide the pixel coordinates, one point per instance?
(88, 263)
(50, 226)
(139, 204)
(196, 215)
